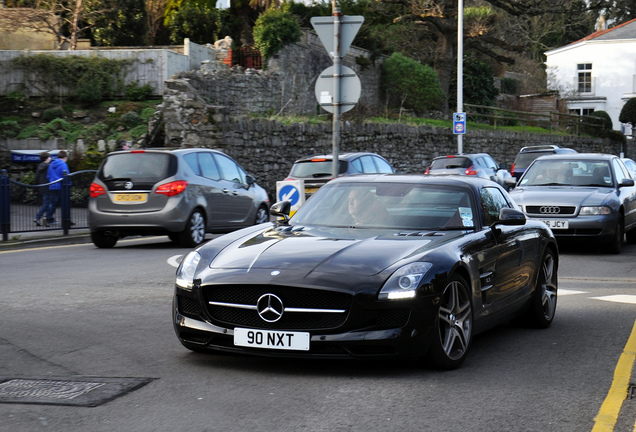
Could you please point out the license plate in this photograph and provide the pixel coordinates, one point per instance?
(556, 224)
(310, 190)
(287, 340)
(135, 197)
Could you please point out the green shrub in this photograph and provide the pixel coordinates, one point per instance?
(15, 98)
(57, 128)
(52, 113)
(131, 119)
(410, 84)
(273, 30)
(138, 131)
(28, 132)
(9, 128)
(147, 113)
(136, 92)
(628, 112)
(606, 119)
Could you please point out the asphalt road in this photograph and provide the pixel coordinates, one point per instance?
(89, 317)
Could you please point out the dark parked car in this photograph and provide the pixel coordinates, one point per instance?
(527, 154)
(478, 165)
(385, 266)
(584, 196)
(317, 170)
(180, 193)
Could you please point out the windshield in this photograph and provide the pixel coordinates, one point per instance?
(568, 173)
(388, 205)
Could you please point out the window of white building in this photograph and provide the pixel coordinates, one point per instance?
(584, 77)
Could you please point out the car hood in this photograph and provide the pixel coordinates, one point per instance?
(343, 251)
(560, 195)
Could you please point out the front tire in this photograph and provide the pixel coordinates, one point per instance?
(102, 240)
(194, 232)
(453, 327)
(615, 246)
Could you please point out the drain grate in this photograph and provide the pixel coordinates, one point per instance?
(76, 391)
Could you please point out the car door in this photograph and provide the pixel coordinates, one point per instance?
(209, 187)
(627, 194)
(515, 251)
(489, 166)
(235, 188)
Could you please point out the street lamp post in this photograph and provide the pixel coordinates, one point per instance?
(460, 67)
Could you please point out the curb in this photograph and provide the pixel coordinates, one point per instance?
(29, 240)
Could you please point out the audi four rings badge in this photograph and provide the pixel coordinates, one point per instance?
(550, 210)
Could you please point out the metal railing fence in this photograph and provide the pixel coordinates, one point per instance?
(20, 202)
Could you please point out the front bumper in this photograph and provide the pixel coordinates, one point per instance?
(386, 339)
(600, 228)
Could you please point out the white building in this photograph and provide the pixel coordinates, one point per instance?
(596, 73)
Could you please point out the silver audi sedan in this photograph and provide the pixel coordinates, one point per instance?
(580, 196)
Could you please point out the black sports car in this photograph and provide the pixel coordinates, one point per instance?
(369, 267)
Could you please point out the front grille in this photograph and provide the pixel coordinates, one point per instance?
(188, 307)
(551, 210)
(292, 297)
(393, 318)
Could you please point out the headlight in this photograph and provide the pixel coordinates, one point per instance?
(187, 269)
(404, 282)
(594, 211)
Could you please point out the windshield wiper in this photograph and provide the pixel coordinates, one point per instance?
(117, 179)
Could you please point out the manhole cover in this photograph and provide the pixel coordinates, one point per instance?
(80, 391)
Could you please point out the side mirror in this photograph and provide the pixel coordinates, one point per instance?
(509, 216)
(249, 180)
(281, 209)
(510, 182)
(626, 182)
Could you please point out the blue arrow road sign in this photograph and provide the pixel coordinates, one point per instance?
(289, 193)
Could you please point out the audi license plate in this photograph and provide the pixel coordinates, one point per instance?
(132, 197)
(298, 341)
(556, 224)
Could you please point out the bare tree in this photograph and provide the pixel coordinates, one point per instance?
(67, 20)
(154, 15)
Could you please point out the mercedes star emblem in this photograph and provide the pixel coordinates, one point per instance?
(270, 307)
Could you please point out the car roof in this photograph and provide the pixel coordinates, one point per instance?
(578, 156)
(341, 156)
(173, 150)
(461, 181)
(462, 155)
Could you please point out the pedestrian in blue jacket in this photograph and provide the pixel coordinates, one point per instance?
(55, 172)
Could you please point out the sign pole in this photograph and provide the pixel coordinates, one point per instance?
(460, 67)
(337, 15)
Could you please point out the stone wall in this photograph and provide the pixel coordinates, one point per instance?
(267, 149)
(287, 86)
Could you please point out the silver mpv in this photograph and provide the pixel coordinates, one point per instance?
(181, 193)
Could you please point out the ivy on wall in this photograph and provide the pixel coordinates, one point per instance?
(88, 80)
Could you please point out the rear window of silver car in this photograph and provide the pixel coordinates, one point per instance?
(315, 168)
(147, 167)
(451, 162)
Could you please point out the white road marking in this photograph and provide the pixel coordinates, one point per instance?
(564, 292)
(175, 260)
(618, 298)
